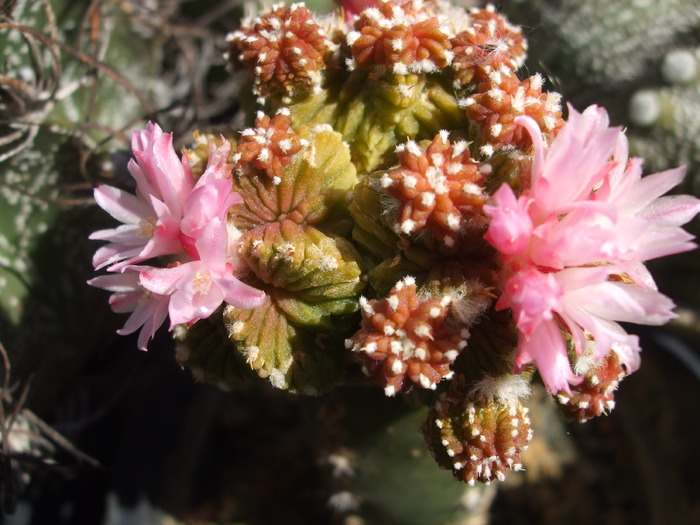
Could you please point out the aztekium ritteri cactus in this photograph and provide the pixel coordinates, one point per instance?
(404, 202)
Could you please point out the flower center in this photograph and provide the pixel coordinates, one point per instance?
(147, 227)
(201, 283)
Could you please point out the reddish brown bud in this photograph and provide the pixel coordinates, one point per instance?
(407, 340)
(270, 145)
(437, 187)
(490, 44)
(477, 441)
(400, 37)
(284, 49)
(595, 395)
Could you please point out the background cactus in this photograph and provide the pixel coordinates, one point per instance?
(56, 117)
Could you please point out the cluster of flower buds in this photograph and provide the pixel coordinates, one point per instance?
(270, 145)
(285, 49)
(398, 166)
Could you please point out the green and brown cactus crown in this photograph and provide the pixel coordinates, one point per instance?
(396, 178)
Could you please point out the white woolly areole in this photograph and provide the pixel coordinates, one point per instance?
(507, 389)
(588, 360)
(277, 379)
(467, 305)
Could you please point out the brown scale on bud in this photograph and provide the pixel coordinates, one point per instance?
(477, 441)
(500, 99)
(440, 187)
(595, 395)
(407, 340)
(283, 48)
(490, 44)
(268, 146)
(400, 36)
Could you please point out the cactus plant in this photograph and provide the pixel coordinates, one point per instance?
(395, 178)
(399, 226)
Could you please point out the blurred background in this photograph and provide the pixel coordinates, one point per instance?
(95, 431)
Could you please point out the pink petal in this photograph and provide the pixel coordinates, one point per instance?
(123, 206)
(207, 202)
(110, 254)
(659, 242)
(172, 180)
(608, 335)
(585, 235)
(546, 348)
(126, 234)
(144, 188)
(510, 227)
(116, 282)
(212, 246)
(188, 305)
(674, 210)
(140, 140)
(217, 164)
(162, 167)
(624, 302)
(151, 325)
(150, 315)
(239, 294)
(164, 281)
(641, 275)
(533, 297)
(533, 129)
(648, 188)
(577, 160)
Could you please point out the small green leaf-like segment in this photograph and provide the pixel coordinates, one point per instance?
(312, 189)
(376, 113)
(312, 275)
(290, 242)
(292, 358)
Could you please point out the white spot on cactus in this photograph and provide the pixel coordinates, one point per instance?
(679, 66)
(397, 367)
(277, 379)
(408, 226)
(393, 301)
(237, 328)
(644, 108)
(251, 354)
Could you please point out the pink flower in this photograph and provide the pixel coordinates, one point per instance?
(151, 218)
(148, 310)
(197, 288)
(586, 303)
(171, 215)
(210, 199)
(584, 182)
(587, 218)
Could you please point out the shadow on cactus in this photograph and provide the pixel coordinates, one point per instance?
(403, 204)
